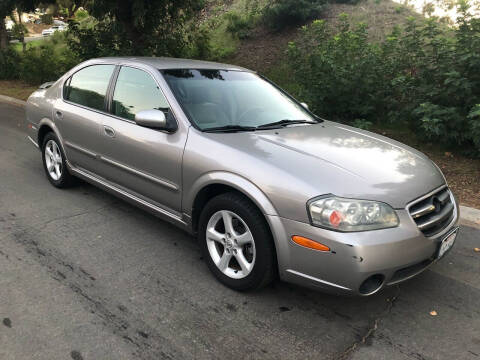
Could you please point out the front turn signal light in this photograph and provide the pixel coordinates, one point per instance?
(308, 243)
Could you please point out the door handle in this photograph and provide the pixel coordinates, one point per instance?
(109, 131)
(58, 115)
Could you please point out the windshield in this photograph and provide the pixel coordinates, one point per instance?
(220, 98)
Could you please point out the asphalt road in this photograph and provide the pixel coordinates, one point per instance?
(84, 275)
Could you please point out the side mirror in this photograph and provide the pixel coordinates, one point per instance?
(154, 119)
(304, 105)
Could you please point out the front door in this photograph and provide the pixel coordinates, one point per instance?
(145, 161)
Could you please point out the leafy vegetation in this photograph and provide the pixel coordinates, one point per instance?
(6, 9)
(139, 27)
(238, 25)
(280, 13)
(46, 61)
(426, 77)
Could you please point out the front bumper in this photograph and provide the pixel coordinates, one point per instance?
(397, 254)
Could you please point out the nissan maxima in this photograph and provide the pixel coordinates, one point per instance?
(269, 188)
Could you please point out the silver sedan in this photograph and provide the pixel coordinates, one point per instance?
(269, 188)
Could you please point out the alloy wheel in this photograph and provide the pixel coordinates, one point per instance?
(230, 244)
(53, 160)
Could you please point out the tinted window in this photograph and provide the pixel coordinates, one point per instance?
(136, 91)
(213, 98)
(89, 86)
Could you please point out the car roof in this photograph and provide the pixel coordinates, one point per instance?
(163, 63)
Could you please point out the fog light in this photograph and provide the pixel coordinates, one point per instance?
(305, 242)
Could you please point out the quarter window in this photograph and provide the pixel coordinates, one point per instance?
(88, 86)
(136, 91)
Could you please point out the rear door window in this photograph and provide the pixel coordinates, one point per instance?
(88, 87)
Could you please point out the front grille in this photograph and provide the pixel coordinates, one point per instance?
(433, 213)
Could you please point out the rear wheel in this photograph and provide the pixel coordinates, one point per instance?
(54, 162)
(236, 242)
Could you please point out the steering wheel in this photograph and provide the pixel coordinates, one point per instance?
(250, 113)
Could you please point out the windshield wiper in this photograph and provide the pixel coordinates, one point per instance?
(285, 122)
(230, 128)
(273, 125)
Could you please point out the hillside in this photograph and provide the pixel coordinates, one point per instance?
(263, 48)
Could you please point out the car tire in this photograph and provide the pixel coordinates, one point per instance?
(241, 255)
(54, 164)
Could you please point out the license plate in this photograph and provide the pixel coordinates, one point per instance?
(447, 243)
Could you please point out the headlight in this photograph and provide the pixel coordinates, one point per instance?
(351, 215)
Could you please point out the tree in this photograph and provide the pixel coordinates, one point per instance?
(68, 7)
(135, 27)
(6, 9)
(18, 32)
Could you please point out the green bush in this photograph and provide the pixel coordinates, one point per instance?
(238, 25)
(426, 77)
(281, 13)
(337, 72)
(48, 61)
(81, 14)
(9, 64)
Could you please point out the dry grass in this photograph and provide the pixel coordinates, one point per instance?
(16, 89)
(266, 49)
(36, 28)
(380, 16)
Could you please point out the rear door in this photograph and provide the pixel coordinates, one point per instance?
(81, 112)
(145, 161)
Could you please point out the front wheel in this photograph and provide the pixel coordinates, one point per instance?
(236, 242)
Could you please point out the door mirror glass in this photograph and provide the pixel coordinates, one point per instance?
(155, 119)
(305, 105)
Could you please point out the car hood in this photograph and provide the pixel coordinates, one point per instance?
(330, 158)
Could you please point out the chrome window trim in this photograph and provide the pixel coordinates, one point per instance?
(146, 69)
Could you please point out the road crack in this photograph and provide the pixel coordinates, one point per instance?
(371, 330)
(66, 217)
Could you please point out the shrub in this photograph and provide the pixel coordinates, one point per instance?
(337, 72)
(48, 61)
(425, 76)
(9, 64)
(281, 13)
(362, 124)
(238, 25)
(81, 14)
